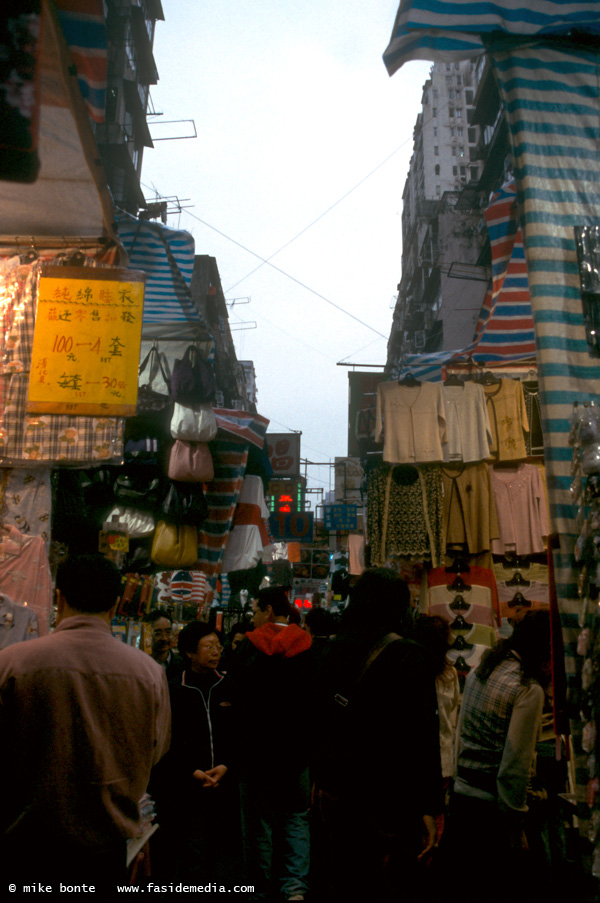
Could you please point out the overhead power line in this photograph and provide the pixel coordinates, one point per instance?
(288, 276)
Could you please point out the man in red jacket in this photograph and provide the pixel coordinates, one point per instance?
(269, 685)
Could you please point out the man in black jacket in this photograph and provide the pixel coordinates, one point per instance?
(377, 763)
(269, 683)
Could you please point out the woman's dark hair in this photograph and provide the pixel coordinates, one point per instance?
(239, 627)
(433, 633)
(191, 634)
(379, 604)
(530, 640)
(320, 621)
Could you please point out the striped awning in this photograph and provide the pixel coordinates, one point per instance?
(551, 100)
(84, 28)
(447, 30)
(167, 257)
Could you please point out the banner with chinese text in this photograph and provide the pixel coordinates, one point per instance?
(86, 345)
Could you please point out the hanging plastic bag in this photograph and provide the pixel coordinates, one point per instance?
(137, 523)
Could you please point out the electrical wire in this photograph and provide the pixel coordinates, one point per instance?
(320, 217)
(288, 276)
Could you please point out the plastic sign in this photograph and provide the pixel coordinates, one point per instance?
(340, 517)
(284, 453)
(295, 527)
(86, 344)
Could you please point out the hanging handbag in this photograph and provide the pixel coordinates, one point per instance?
(175, 546)
(193, 380)
(185, 504)
(140, 487)
(191, 462)
(138, 524)
(197, 424)
(150, 400)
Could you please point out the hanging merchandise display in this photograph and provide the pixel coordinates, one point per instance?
(482, 508)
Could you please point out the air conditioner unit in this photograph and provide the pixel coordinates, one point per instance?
(420, 339)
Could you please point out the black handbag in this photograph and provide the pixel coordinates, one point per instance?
(193, 380)
(185, 504)
(149, 400)
(140, 487)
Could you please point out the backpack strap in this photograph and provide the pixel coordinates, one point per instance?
(375, 653)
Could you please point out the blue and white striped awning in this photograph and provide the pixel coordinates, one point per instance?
(447, 30)
(167, 257)
(551, 100)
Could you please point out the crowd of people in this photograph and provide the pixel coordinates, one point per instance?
(309, 761)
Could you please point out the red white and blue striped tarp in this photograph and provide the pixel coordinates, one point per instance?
(241, 425)
(84, 28)
(448, 30)
(505, 330)
(222, 494)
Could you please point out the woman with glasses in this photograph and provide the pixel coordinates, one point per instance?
(197, 804)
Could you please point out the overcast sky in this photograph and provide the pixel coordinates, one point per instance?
(295, 114)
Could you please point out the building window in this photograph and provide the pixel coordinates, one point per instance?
(438, 190)
(434, 112)
(461, 151)
(455, 170)
(435, 93)
(459, 131)
(451, 112)
(459, 80)
(453, 150)
(437, 169)
(435, 131)
(459, 114)
(436, 151)
(463, 170)
(452, 130)
(448, 67)
(469, 97)
(472, 133)
(451, 94)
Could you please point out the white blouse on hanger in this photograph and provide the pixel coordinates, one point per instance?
(468, 423)
(412, 421)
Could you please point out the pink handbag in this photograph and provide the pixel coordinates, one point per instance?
(191, 462)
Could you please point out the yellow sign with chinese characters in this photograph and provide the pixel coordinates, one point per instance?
(86, 344)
